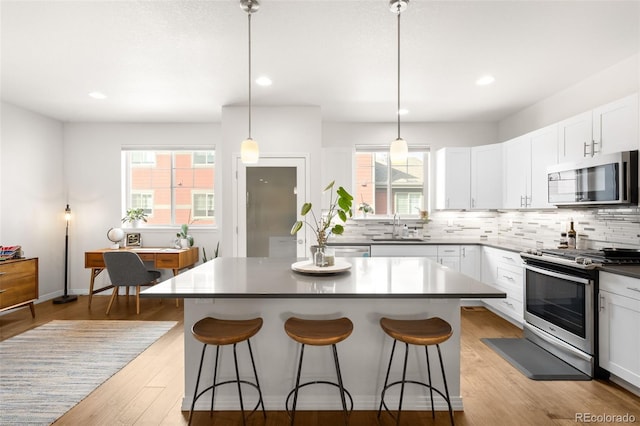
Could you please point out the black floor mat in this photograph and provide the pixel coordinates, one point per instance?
(533, 361)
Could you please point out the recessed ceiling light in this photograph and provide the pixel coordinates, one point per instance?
(403, 111)
(97, 95)
(485, 80)
(263, 81)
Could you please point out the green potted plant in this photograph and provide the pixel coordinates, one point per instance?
(321, 225)
(134, 217)
(365, 208)
(186, 240)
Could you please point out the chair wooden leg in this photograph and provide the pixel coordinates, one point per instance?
(137, 300)
(113, 297)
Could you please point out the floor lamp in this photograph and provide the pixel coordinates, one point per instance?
(65, 298)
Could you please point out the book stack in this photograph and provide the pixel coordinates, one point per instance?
(9, 252)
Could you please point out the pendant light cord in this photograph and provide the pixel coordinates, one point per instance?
(249, 14)
(398, 110)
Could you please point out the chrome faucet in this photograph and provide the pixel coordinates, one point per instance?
(396, 217)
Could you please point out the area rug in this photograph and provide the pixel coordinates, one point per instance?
(46, 371)
(533, 361)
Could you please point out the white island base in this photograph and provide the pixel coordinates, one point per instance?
(364, 356)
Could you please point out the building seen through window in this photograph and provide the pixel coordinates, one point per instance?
(391, 188)
(173, 187)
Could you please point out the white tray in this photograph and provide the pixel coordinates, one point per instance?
(307, 267)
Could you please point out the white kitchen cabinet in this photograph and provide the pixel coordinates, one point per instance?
(517, 173)
(574, 138)
(544, 153)
(449, 256)
(619, 334)
(615, 126)
(486, 176)
(610, 128)
(470, 261)
(453, 178)
(504, 270)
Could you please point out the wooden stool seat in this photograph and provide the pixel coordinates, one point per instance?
(422, 332)
(318, 332)
(219, 332)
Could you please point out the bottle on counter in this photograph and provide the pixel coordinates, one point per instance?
(563, 240)
(571, 236)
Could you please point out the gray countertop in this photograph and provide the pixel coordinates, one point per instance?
(380, 277)
(349, 241)
(627, 270)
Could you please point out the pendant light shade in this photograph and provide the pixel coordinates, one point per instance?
(398, 151)
(249, 151)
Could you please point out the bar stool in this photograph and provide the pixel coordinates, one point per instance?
(422, 332)
(318, 333)
(219, 332)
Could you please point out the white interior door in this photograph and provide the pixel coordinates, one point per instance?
(270, 195)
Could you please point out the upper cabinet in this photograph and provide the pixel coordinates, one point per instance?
(526, 159)
(453, 178)
(615, 126)
(610, 128)
(486, 177)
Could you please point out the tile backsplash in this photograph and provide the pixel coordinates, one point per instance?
(596, 227)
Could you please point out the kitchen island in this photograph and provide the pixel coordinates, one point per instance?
(240, 288)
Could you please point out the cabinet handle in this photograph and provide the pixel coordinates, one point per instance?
(527, 201)
(593, 147)
(508, 277)
(584, 150)
(510, 259)
(464, 252)
(522, 202)
(473, 202)
(633, 289)
(508, 303)
(602, 303)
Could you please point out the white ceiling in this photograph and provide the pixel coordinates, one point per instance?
(182, 60)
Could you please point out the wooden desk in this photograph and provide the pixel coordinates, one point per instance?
(162, 258)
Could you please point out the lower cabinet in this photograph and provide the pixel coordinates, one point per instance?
(461, 258)
(18, 283)
(402, 250)
(503, 270)
(619, 331)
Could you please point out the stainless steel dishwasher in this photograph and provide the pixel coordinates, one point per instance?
(352, 251)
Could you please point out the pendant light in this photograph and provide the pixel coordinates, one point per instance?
(398, 151)
(249, 152)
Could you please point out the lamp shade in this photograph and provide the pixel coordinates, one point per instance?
(249, 152)
(398, 151)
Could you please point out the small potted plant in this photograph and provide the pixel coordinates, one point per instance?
(135, 217)
(365, 208)
(186, 240)
(321, 225)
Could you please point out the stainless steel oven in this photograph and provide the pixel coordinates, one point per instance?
(559, 312)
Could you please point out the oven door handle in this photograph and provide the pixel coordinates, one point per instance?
(562, 276)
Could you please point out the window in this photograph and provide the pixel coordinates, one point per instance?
(391, 188)
(173, 187)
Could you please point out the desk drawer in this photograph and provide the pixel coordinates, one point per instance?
(148, 257)
(166, 260)
(93, 260)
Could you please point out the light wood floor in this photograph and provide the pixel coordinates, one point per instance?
(149, 390)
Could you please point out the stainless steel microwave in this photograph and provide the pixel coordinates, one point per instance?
(603, 179)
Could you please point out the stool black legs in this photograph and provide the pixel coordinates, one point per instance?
(404, 380)
(339, 385)
(197, 395)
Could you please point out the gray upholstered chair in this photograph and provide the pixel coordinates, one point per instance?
(125, 268)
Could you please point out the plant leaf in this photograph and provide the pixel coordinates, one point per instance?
(329, 186)
(343, 215)
(344, 194)
(306, 208)
(338, 229)
(344, 204)
(296, 227)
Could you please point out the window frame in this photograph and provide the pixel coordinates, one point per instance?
(390, 197)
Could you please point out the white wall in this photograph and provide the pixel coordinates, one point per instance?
(436, 135)
(92, 170)
(608, 85)
(278, 131)
(32, 192)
